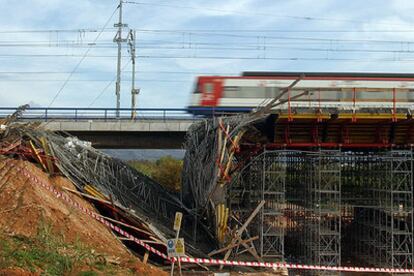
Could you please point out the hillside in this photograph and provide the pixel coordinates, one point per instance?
(32, 217)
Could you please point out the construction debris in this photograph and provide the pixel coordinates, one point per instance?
(143, 207)
(124, 196)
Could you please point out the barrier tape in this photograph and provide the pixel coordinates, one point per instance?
(75, 204)
(294, 266)
(274, 265)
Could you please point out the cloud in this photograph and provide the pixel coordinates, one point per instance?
(358, 20)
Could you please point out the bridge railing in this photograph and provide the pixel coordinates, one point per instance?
(105, 114)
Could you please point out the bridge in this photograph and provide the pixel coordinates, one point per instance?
(142, 128)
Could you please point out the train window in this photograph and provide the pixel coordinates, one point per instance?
(272, 92)
(230, 91)
(252, 92)
(246, 92)
(208, 88)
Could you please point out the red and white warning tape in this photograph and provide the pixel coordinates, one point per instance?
(115, 228)
(75, 204)
(294, 266)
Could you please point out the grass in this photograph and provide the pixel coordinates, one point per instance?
(48, 254)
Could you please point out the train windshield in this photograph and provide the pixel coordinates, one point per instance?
(197, 88)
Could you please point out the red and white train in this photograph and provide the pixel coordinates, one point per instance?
(343, 91)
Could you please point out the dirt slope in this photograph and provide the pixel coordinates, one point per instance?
(25, 205)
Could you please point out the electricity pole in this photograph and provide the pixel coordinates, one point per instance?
(118, 39)
(134, 92)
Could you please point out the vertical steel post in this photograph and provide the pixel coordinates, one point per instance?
(118, 39)
(134, 92)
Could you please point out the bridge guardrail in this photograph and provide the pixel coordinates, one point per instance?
(105, 114)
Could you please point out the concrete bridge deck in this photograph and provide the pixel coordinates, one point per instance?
(150, 128)
(139, 134)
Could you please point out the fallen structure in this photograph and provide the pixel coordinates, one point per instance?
(125, 197)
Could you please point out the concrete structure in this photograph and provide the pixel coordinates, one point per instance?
(140, 134)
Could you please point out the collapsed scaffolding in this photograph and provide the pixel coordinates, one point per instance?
(120, 193)
(330, 207)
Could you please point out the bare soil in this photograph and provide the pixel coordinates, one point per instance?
(24, 205)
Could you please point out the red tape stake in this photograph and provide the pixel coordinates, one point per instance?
(59, 194)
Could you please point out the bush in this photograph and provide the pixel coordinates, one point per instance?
(166, 171)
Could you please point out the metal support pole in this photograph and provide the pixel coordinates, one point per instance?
(134, 92)
(118, 39)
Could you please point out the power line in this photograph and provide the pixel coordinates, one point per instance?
(54, 55)
(226, 46)
(95, 30)
(87, 30)
(81, 60)
(255, 48)
(263, 38)
(393, 59)
(281, 58)
(306, 18)
(125, 71)
(271, 31)
(300, 38)
(97, 80)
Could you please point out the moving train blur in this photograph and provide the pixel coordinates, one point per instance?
(340, 91)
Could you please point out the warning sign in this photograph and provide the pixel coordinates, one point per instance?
(177, 221)
(179, 248)
(176, 248)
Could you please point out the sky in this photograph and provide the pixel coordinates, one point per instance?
(61, 53)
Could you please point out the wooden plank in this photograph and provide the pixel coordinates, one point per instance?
(251, 249)
(48, 155)
(242, 228)
(146, 255)
(145, 241)
(215, 252)
(233, 149)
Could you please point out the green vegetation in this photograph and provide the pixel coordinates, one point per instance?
(166, 171)
(48, 254)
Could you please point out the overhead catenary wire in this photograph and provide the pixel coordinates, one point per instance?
(286, 58)
(250, 13)
(112, 29)
(125, 71)
(257, 35)
(85, 30)
(103, 80)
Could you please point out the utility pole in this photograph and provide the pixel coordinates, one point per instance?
(134, 92)
(118, 39)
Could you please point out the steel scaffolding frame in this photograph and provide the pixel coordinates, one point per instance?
(326, 207)
(273, 191)
(384, 224)
(326, 202)
(262, 179)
